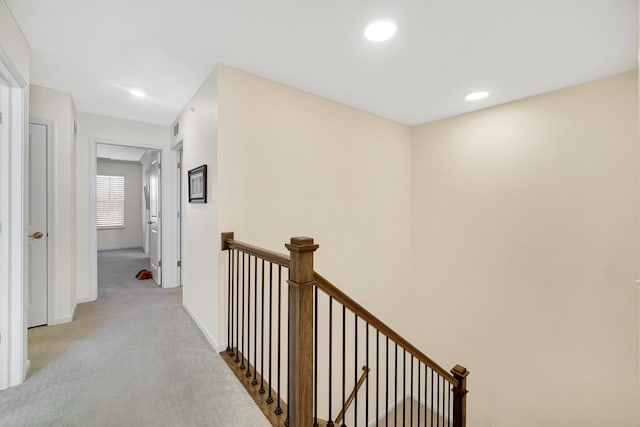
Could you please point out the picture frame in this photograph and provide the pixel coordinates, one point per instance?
(198, 184)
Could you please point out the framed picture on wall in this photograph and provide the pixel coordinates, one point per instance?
(198, 184)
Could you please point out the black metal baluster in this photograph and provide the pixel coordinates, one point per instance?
(395, 386)
(419, 364)
(248, 373)
(242, 335)
(404, 386)
(344, 359)
(315, 357)
(278, 409)
(431, 397)
(330, 418)
(426, 399)
(366, 393)
(234, 296)
(355, 372)
(438, 402)
(289, 354)
(229, 276)
(269, 397)
(262, 390)
(411, 394)
(255, 321)
(237, 351)
(386, 409)
(377, 414)
(449, 410)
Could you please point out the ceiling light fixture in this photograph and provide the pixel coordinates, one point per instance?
(137, 93)
(475, 96)
(379, 31)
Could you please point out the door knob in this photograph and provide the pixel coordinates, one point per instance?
(36, 235)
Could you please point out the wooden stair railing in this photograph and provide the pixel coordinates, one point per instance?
(299, 379)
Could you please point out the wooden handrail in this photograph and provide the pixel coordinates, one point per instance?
(266, 254)
(333, 291)
(352, 395)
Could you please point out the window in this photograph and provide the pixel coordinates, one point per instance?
(109, 201)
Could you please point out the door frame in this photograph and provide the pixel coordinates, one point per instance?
(14, 140)
(166, 205)
(51, 235)
(177, 148)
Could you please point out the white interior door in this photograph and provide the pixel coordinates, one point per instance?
(155, 230)
(38, 236)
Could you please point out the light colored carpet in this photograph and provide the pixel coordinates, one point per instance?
(134, 357)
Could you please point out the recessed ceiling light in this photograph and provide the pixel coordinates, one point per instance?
(380, 30)
(474, 96)
(137, 93)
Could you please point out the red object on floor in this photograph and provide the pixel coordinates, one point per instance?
(144, 275)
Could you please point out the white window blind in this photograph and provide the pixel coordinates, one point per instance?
(109, 201)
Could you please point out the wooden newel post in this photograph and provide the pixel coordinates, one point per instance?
(460, 396)
(301, 331)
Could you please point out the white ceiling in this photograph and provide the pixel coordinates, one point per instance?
(119, 152)
(442, 50)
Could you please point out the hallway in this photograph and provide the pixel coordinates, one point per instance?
(134, 357)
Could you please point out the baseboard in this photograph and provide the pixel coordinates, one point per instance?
(65, 319)
(73, 312)
(218, 347)
(61, 320)
(27, 366)
(85, 299)
(115, 248)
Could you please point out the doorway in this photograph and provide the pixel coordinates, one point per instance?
(127, 206)
(39, 223)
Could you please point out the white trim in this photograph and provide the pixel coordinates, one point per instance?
(118, 247)
(217, 347)
(9, 74)
(93, 231)
(51, 235)
(13, 236)
(5, 243)
(84, 299)
(179, 209)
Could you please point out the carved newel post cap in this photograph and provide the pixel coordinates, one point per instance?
(302, 244)
(460, 371)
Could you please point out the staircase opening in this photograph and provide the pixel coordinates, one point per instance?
(310, 355)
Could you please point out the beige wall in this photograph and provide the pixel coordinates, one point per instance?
(94, 127)
(525, 225)
(347, 171)
(130, 236)
(508, 234)
(57, 106)
(291, 163)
